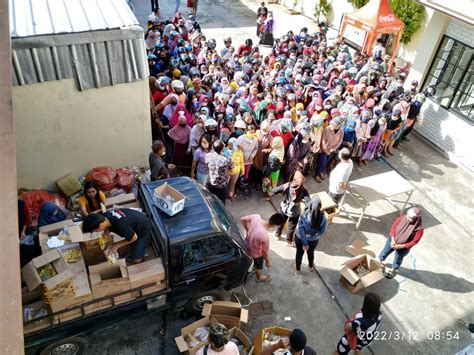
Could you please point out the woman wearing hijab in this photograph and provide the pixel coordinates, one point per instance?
(249, 145)
(181, 111)
(405, 233)
(235, 153)
(50, 213)
(311, 226)
(297, 154)
(180, 136)
(331, 140)
(293, 194)
(264, 147)
(275, 160)
(372, 148)
(260, 113)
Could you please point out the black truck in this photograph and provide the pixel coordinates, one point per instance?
(204, 255)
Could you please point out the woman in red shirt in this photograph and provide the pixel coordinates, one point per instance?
(405, 233)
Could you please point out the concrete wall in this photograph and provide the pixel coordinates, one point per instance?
(60, 130)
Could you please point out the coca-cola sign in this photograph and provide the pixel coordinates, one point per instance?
(388, 18)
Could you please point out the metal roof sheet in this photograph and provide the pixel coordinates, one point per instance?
(46, 17)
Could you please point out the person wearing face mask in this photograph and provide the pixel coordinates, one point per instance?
(298, 152)
(234, 152)
(199, 169)
(196, 132)
(394, 124)
(405, 233)
(294, 193)
(181, 111)
(158, 167)
(311, 226)
(413, 115)
(239, 128)
(330, 141)
(180, 136)
(362, 131)
(372, 148)
(249, 145)
(210, 126)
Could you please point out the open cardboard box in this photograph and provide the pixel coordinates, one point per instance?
(181, 342)
(56, 226)
(74, 231)
(231, 314)
(62, 278)
(170, 208)
(82, 290)
(135, 205)
(355, 282)
(120, 200)
(259, 338)
(149, 272)
(237, 333)
(107, 279)
(359, 247)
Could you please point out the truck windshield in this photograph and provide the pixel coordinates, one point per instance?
(225, 220)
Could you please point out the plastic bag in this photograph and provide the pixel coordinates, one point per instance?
(104, 176)
(125, 179)
(35, 198)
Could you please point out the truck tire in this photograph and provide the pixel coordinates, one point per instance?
(196, 304)
(68, 346)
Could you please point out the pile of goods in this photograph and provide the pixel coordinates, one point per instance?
(200, 335)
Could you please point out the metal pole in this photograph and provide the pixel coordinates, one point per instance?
(11, 325)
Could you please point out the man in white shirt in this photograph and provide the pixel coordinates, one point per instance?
(340, 175)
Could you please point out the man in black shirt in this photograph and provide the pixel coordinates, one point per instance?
(127, 223)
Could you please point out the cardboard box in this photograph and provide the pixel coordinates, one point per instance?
(40, 323)
(75, 233)
(231, 314)
(359, 247)
(107, 279)
(135, 205)
(181, 342)
(240, 335)
(170, 208)
(82, 290)
(56, 226)
(153, 289)
(68, 185)
(120, 200)
(51, 287)
(145, 273)
(259, 338)
(355, 282)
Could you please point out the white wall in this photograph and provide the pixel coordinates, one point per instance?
(450, 133)
(61, 130)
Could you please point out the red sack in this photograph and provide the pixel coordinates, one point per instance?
(34, 199)
(104, 176)
(125, 179)
(350, 334)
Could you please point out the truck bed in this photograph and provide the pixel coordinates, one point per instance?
(44, 330)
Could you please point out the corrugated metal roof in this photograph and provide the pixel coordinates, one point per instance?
(45, 17)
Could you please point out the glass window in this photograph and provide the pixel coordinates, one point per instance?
(204, 251)
(451, 73)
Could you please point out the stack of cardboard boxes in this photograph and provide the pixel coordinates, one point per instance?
(78, 273)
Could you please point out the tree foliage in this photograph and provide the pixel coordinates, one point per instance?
(322, 7)
(411, 13)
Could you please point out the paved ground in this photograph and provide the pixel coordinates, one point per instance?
(433, 291)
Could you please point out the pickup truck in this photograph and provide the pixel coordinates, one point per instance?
(204, 255)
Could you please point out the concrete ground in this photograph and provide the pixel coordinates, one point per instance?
(433, 291)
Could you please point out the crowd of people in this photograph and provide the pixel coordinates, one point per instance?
(238, 121)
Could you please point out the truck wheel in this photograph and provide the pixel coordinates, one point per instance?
(196, 304)
(69, 346)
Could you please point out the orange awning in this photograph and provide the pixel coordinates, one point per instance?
(378, 15)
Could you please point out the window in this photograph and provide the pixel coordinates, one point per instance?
(451, 73)
(205, 251)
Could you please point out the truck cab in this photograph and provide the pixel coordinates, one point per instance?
(206, 248)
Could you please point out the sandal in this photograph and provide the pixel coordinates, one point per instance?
(318, 179)
(265, 278)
